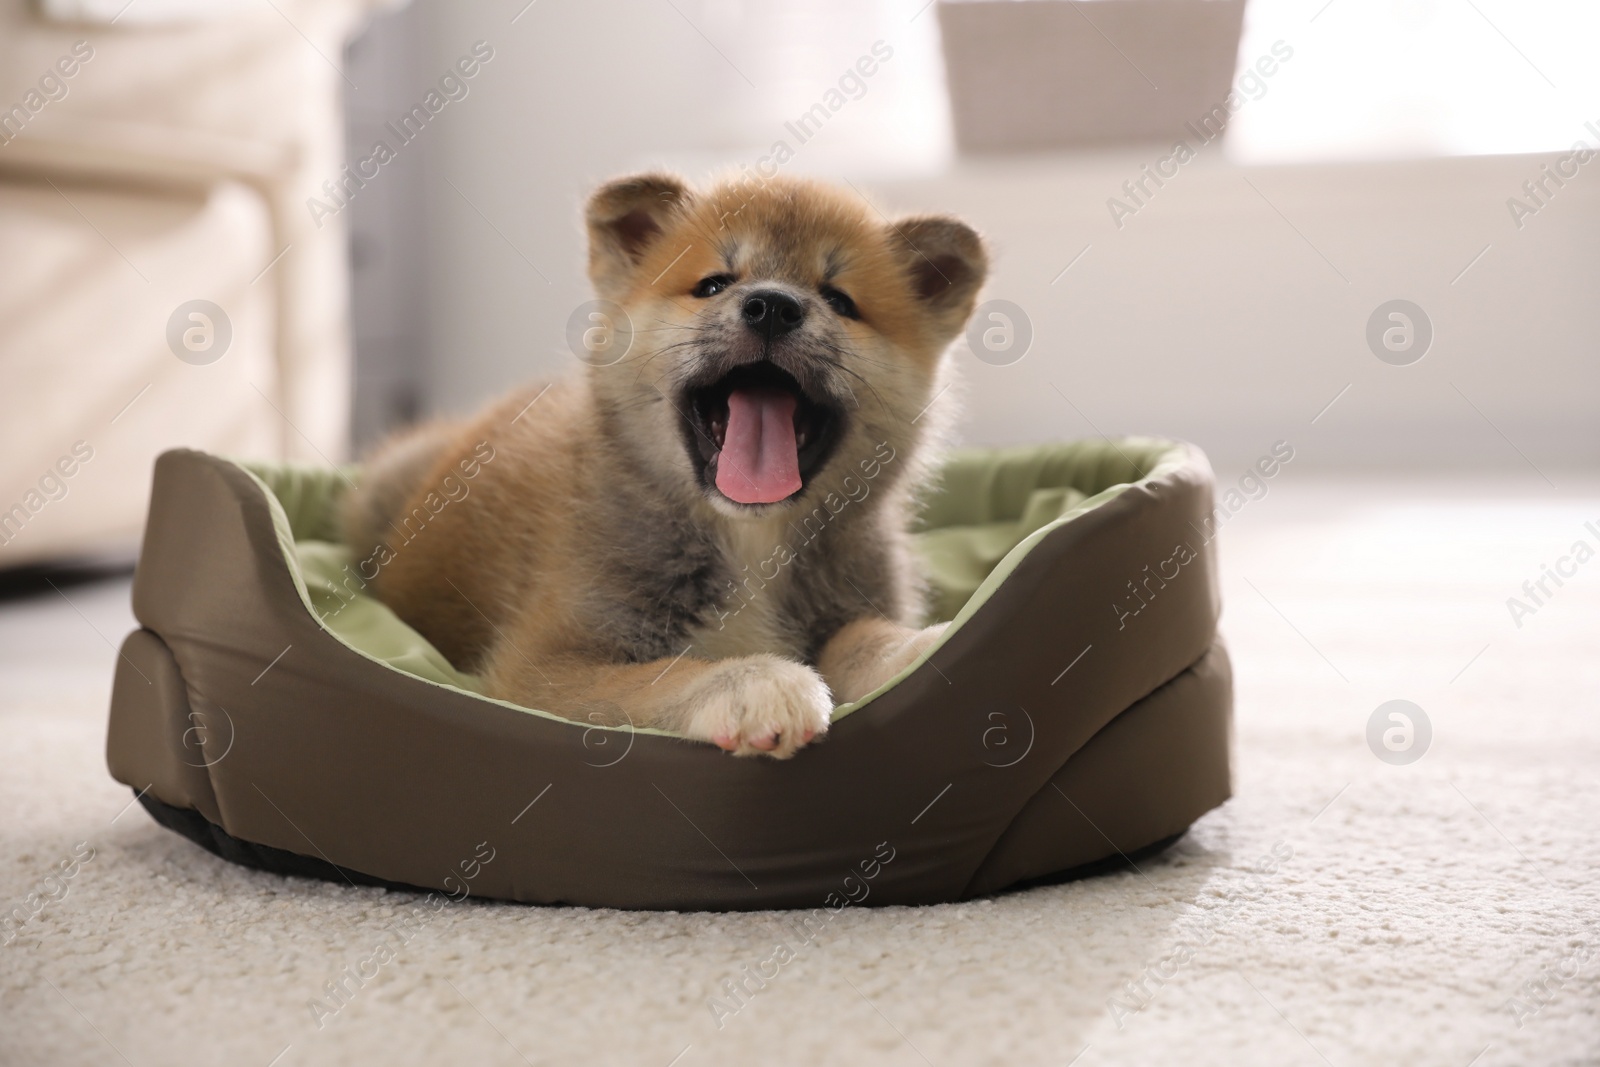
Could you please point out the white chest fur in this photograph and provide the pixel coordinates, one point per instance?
(748, 617)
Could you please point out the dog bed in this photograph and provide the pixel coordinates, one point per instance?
(1076, 712)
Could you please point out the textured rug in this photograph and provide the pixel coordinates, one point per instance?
(1417, 890)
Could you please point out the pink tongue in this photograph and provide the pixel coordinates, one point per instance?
(759, 463)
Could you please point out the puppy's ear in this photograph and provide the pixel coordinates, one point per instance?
(946, 263)
(625, 217)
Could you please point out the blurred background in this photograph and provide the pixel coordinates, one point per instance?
(282, 228)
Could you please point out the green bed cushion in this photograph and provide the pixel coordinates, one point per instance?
(366, 623)
(990, 506)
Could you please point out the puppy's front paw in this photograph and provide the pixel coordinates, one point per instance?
(760, 705)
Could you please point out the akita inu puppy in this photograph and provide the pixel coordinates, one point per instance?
(711, 534)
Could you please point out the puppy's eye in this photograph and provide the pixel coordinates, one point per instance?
(840, 302)
(712, 285)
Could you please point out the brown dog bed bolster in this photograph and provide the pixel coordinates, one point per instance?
(1055, 727)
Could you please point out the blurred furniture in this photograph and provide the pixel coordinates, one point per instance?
(173, 163)
(1039, 75)
(388, 226)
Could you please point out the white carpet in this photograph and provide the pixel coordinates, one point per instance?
(1416, 904)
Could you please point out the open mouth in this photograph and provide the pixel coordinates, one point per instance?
(756, 434)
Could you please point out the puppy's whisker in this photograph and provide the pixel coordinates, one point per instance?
(838, 365)
(690, 344)
(836, 349)
(686, 325)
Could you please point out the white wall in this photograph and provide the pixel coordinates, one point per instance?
(1211, 316)
(578, 93)
(1207, 315)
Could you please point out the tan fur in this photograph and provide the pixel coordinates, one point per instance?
(587, 570)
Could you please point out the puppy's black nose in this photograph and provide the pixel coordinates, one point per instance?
(771, 313)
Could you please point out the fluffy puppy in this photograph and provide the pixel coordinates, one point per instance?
(709, 530)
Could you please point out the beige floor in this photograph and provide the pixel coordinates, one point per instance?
(1416, 904)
